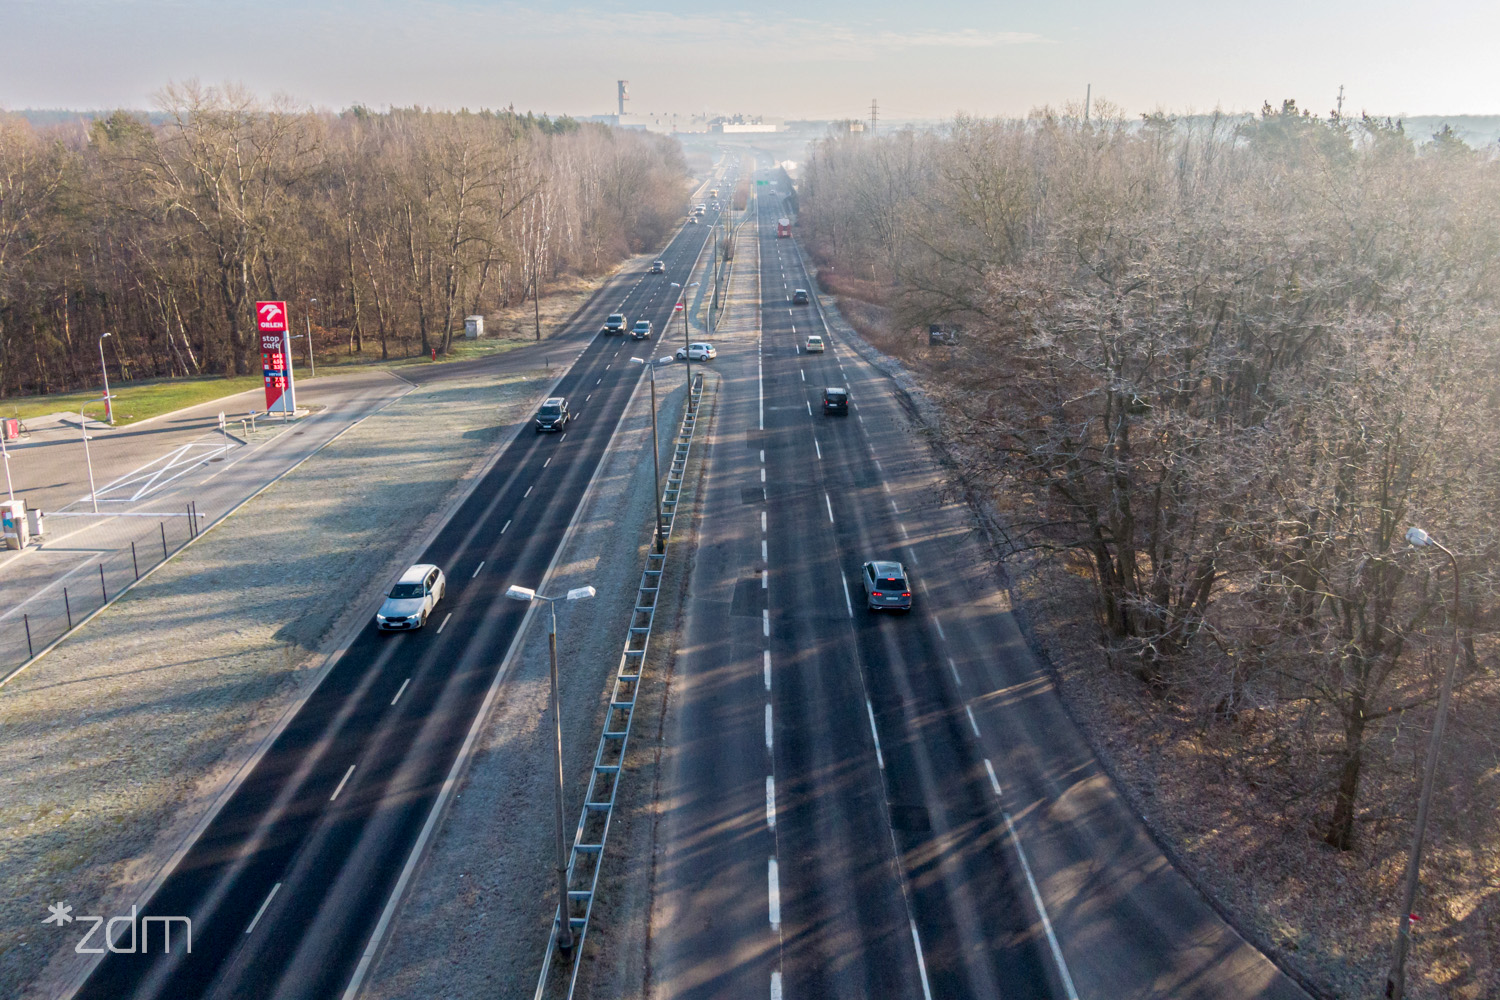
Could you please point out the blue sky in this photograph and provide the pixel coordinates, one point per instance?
(820, 58)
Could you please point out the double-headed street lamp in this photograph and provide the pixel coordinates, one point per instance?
(656, 447)
(687, 348)
(564, 922)
(1395, 984)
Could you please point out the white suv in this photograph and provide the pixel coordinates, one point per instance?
(412, 599)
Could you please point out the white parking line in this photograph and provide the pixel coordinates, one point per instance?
(768, 726)
(847, 603)
(773, 885)
(771, 801)
(477, 569)
(879, 758)
(401, 690)
(994, 781)
(766, 660)
(921, 963)
(444, 622)
(258, 913)
(341, 783)
(972, 724)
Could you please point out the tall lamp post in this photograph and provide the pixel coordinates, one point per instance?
(1395, 983)
(109, 411)
(655, 446)
(564, 919)
(312, 369)
(687, 348)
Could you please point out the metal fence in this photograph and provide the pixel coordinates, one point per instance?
(111, 552)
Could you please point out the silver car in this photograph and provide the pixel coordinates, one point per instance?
(887, 587)
(412, 599)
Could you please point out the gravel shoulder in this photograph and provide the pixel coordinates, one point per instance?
(114, 746)
(491, 859)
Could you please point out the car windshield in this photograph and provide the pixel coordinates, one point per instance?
(551, 410)
(406, 591)
(616, 318)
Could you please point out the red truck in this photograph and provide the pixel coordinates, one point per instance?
(783, 228)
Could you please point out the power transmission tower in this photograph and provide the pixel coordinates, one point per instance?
(874, 115)
(1340, 111)
(1087, 97)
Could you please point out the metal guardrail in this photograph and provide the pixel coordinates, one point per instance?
(586, 857)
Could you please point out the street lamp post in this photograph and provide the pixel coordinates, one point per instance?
(4, 452)
(88, 459)
(687, 348)
(655, 451)
(312, 369)
(1395, 983)
(109, 410)
(564, 921)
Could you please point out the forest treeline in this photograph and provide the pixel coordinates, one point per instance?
(1221, 367)
(385, 229)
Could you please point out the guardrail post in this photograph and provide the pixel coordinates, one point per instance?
(163, 526)
(68, 609)
(102, 588)
(134, 562)
(26, 620)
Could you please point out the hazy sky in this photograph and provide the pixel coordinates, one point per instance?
(816, 58)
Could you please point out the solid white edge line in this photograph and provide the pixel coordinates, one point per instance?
(444, 622)
(773, 893)
(771, 801)
(879, 757)
(1041, 909)
(770, 741)
(921, 962)
(260, 912)
(847, 603)
(342, 780)
(477, 569)
(994, 781)
(972, 724)
(400, 691)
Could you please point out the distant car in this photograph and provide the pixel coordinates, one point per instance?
(554, 415)
(835, 400)
(658, 267)
(886, 586)
(692, 220)
(697, 352)
(412, 599)
(799, 297)
(615, 323)
(641, 330)
(815, 344)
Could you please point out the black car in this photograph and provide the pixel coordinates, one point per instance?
(553, 416)
(799, 297)
(658, 267)
(835, 400)
(615, 324)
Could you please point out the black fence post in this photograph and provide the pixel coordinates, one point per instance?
(102, 588)
(163, 526)
(68, 608)
(26, 620)
(135, 562)
(190, 520)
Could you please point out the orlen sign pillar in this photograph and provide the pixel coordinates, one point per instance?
(276, 357)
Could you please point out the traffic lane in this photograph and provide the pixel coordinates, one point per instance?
(712, 914)
(292, 780)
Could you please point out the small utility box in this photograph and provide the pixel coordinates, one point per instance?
(473, 327)
(13, 523)
(34, 523)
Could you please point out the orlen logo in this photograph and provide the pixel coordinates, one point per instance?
(270, 317)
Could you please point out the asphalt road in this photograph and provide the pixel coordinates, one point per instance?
(885, 805)
(286, 883)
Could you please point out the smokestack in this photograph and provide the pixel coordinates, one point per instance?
(623, 88)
